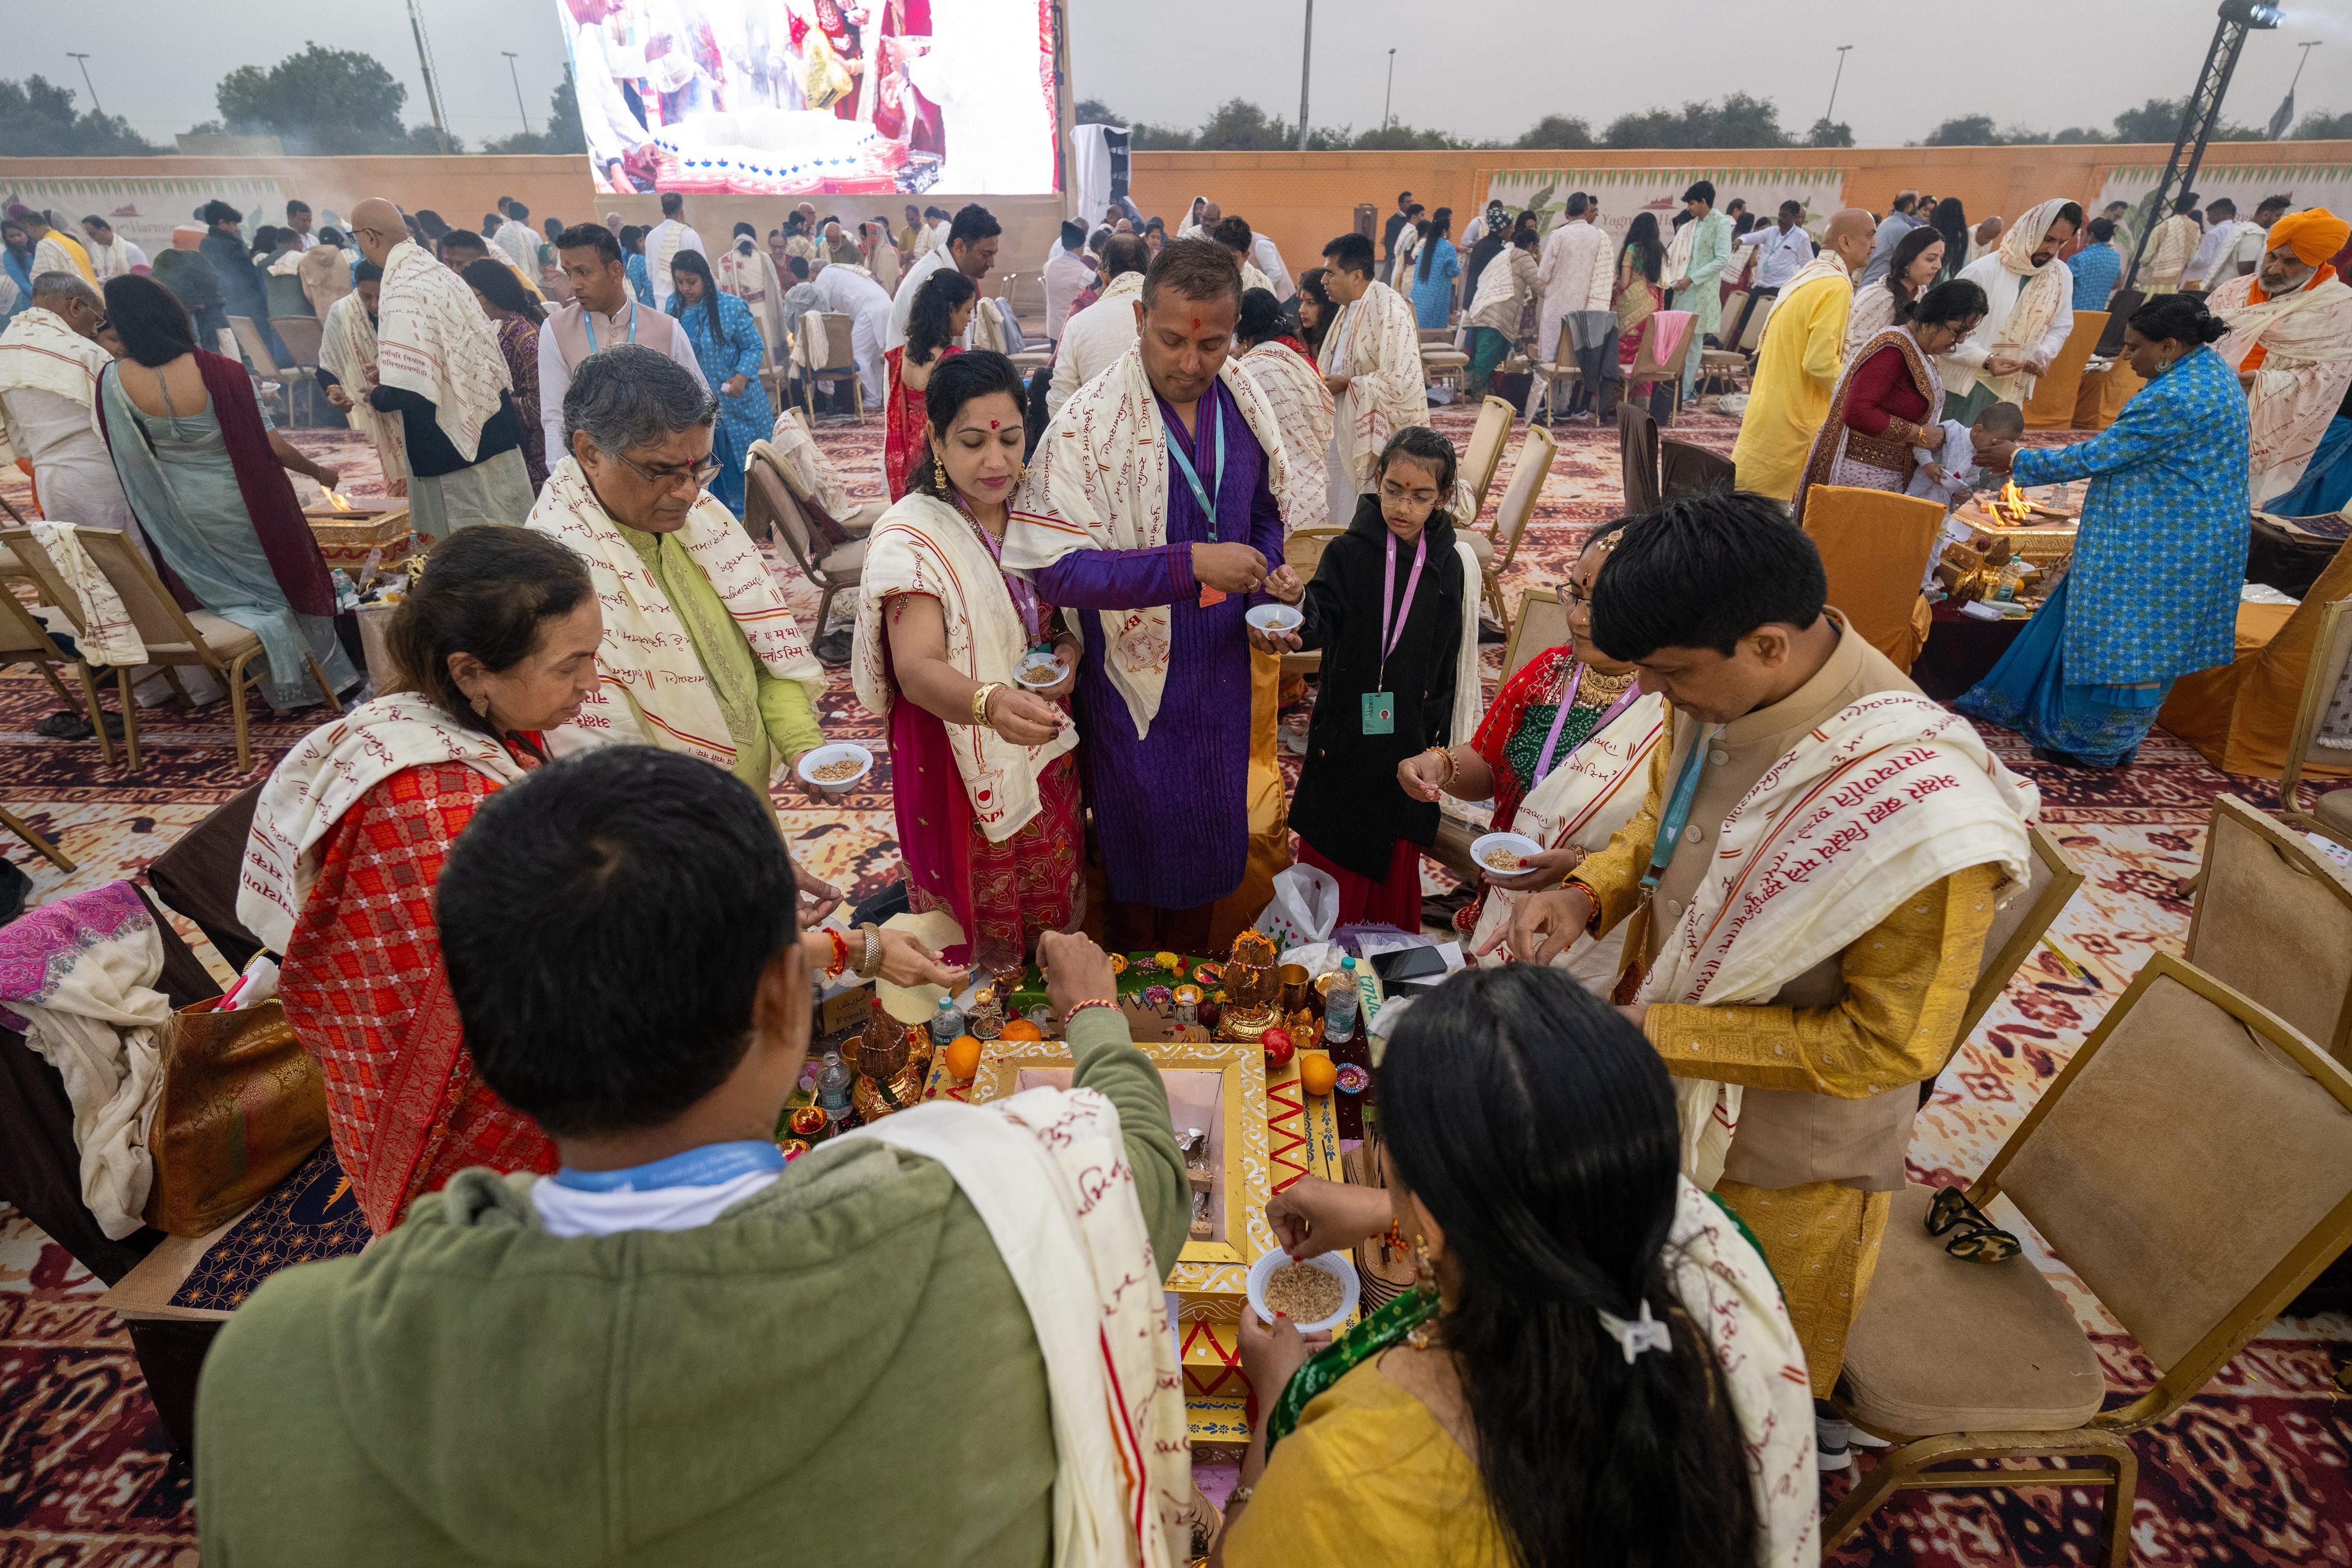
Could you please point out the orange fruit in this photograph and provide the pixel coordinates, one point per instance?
(963, 1058)
(1021, 1029)
(1315, 1071)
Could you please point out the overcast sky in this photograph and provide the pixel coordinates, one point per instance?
(1477, 68)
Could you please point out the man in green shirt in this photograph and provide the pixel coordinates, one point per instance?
(700, 653)
(677, 1349)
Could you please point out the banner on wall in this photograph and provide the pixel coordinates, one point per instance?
(792, 96)
(145, 211)
(1624, 193)
(2326, 185)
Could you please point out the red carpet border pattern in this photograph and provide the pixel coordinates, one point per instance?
(2256, 1470)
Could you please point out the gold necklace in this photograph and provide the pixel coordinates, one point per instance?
(1598, 690)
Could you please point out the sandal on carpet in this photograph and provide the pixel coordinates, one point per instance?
(68, 725)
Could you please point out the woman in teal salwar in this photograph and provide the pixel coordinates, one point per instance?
(727, 345)
(2152, 593)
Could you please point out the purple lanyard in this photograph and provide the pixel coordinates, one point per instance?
(1389, 639)
(1559, 716)
(1024, 596)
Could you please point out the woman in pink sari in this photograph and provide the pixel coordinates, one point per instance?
(942, 312)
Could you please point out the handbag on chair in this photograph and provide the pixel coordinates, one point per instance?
(242, 1105)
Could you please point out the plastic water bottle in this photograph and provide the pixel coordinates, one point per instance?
(1339, 1006)
(947, 1023)
(833, 1087)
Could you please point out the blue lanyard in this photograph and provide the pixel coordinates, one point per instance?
(709, 1166)
(588, 320)
(1207, 496)
(1678, 808)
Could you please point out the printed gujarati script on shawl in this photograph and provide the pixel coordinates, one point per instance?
(1303, 408)
(1893, 793)
(433, 340)
(923, 545)
(1048, 1172)
(347, 349)
(653, 689)
(1101, 482)
(1842, 456)
(2298, 347)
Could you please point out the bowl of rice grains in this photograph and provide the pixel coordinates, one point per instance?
(1315, 1293)
(835, 766)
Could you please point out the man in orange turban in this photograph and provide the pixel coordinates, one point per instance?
(2291, 341)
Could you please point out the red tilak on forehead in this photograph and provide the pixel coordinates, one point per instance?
(1196, 323)
(991, 423)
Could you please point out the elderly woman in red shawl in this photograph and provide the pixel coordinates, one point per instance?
(1890, 399)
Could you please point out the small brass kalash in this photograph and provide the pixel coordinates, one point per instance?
(892, 1060)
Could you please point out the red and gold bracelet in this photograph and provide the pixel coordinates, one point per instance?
(840, 955)
(1070, 1016)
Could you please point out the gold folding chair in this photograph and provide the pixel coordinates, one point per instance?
(1511, 519)
(24, 638)
(2330, 815)
(2193, 1167)
(2274, 919)
(1482, 455)
(39, 846)
(840, 362)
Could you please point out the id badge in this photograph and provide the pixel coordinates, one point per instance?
(1211, 597)
(1379, 714)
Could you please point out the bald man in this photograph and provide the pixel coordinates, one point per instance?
(1797, 364)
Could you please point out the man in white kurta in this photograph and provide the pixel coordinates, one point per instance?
(515, 238)
(848, 291)
(971, 248)
(111, 254)
(1371, 362)
(1065, 278)
(1098, 337)
(2220, 237)
(664, 241)
(2030, 309)
(50, 363)
(1574, 274)
(2169, 249)
(2291, 343)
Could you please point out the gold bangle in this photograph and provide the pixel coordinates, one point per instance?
(980, 704)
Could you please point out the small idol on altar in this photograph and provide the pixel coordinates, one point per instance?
(987, 1020)
(1188, 1004)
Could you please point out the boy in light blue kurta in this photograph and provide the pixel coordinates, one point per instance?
(1701, 294)
(2153, 591)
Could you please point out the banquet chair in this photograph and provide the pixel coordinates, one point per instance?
(2274, 919)
(2052, 407)
(24, 640)
(1687, 471)
(1874, 546)
(256, 345)
(2242, 716)
(2331, 658)
(840, 360)
(1637, 457)
(35, 842)
(177, 637)
(1664, 374)
(1528, 472)
(769, 508)
(1482, 455)
(2192, 1164)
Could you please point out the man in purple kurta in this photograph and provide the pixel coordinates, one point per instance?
(1153, 503)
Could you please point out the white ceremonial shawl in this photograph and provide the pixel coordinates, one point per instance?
(1376, 342)
(109, 635)
(653, 689)
(110, 260)
(1469, 680)
(40, 353)
(806, 463)
(347, 347)
(2047, 294)
(1303, 409)
(2168, 251)
(1588, 795)
(1102, 484)
(923, 545)
(1048, 1174)
(55, 253)
(2307, 364)
(750, 274)
(1893, 793)
(433, 340)
(325, 775)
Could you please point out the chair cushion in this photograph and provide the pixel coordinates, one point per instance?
(1944, 1345)
(862, 520)
(2335, 808)
(843, 563)
(1443, 359)
(225, 637)
(1481, 545)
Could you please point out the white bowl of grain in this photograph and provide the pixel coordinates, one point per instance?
(1503, 854)
(1278, 1284)
(835, 766)
(1275, 618)
(1040, 669)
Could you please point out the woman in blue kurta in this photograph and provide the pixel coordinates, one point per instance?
(727, 345)
(2153, 591)
(1433, 272)
(632, 246)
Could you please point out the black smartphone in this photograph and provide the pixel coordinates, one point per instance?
(1409, 965)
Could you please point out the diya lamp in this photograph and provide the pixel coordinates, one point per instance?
(987, 1020)
(885, 1082)
(793, 1148)
(808, 1125)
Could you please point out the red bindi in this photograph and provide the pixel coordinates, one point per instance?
(1196, 323)
(991, 423)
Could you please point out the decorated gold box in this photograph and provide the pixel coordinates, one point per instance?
(1262, 1133)
(346, 538)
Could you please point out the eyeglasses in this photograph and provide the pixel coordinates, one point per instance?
(1409, 498)
(697, 474)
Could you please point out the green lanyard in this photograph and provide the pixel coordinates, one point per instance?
(1678, 807)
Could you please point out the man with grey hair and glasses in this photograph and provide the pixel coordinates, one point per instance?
(700, 653)
(49, 362)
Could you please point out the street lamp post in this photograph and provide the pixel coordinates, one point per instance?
(516, 77)
(1829, 115)
(1389, 97)
(1306, 54)
(83, 60)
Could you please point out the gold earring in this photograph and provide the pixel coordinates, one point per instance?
(1425, 1271)
(482, 705)
(940, 472)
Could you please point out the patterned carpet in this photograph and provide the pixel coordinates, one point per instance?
(2258, 1469)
